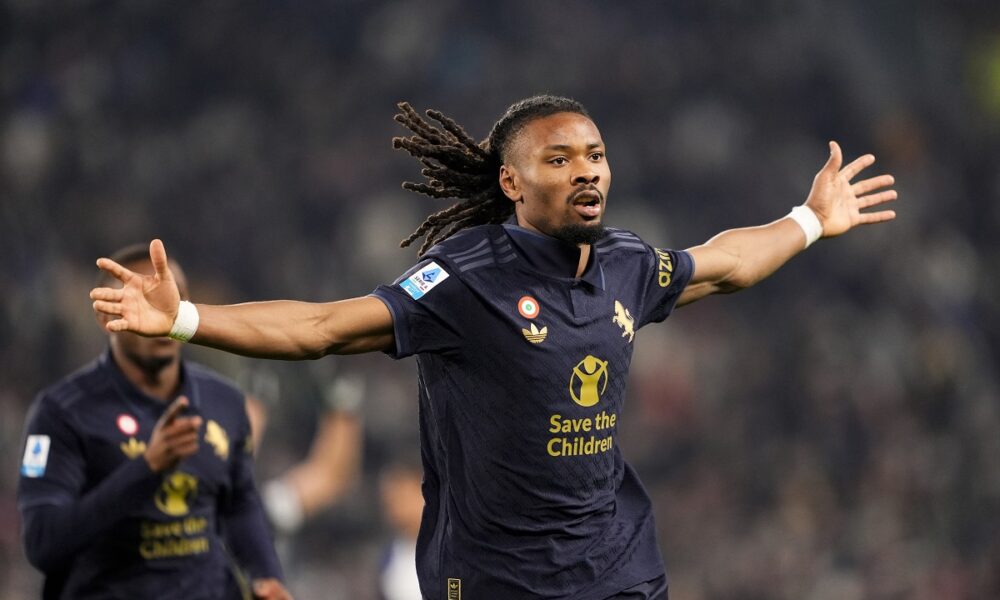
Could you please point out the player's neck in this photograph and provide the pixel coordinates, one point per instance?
(584, 259)
(158, 381)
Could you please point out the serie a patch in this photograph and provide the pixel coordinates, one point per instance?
(36, 456)
(424, 280)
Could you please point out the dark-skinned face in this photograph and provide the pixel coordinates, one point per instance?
(151, 355)
(558, 175)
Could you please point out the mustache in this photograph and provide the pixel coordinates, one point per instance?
(588, 188)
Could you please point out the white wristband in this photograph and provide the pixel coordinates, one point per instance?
(186, 322)
(809, 222)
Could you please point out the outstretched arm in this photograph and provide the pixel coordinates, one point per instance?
(739, 258)
(285, 329)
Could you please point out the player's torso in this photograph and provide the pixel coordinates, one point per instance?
(177, 523)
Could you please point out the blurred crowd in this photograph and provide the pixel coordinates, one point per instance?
(833, 433)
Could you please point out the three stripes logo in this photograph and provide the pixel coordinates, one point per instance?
(454, 589)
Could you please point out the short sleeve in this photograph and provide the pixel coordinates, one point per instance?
(427, 305)
(668, 274)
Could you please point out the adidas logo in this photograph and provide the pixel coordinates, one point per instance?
(535, 335)
(133, 448)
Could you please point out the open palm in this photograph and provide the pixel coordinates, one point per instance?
(838, 203)
(147, 304)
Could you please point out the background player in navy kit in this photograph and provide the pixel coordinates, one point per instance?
(133, 469)
(522, 315)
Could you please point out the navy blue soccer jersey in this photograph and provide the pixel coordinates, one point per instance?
(522, 376)
(100, 524)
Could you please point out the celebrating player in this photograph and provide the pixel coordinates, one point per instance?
(137, 477)
(522, 311)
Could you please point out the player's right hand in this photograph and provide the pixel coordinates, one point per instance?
(174, 438)
(147, 304)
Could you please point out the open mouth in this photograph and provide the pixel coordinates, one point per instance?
(588, 204)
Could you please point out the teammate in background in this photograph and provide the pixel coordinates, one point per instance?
(402, 507)
(522, 312)
(137, 481)
(331, 466)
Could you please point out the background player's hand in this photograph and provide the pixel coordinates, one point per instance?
(174, 438)
(147, 304)
(270, 589)
(838, 203)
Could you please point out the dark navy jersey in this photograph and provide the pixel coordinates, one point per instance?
(100, 524)
(522, 376)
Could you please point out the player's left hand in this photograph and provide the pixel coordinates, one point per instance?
(270, 589)
(838, 203)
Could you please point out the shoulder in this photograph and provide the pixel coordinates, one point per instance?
(67, 393)
(472, 248)
(208, 381)
(621, 241)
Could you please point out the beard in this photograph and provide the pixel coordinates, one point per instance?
(577, 233)
(151, 366)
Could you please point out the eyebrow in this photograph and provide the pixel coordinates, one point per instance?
(566, 147)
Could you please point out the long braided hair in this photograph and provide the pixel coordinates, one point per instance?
(456, 166)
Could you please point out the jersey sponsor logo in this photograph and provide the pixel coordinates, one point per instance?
(216, 436)
(36, 455)
(133, 449)
(424, 280)
(177, 537)
(127, 424)
(535, 335)
(454, 589)
(588, 380)
(623, 318)
(665, 268)
(528, 307)
(176, 494)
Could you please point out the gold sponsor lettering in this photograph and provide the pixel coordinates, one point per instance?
(666, 267)
(580, 445)
(180, 537)
(150, 549)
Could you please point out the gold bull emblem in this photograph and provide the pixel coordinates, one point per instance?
(623, 318)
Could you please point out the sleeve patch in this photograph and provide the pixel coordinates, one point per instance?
(36, 456)
(424, 280)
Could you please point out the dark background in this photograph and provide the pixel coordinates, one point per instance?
(830, 434)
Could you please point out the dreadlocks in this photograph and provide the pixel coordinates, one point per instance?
(455, 166)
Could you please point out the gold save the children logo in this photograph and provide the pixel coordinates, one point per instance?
(588, 381)
(175, 495)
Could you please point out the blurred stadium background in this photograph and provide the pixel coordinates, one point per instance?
(833, 433)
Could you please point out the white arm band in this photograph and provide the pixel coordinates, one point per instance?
(186, 322)
(809, 222)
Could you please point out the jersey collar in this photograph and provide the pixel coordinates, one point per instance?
(553, 257)
(126, 387)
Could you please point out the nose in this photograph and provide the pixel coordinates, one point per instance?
(586, 178)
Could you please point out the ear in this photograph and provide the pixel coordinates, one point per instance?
(510, 183)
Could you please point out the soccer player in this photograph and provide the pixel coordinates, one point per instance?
(137, 481)
(523, 312)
